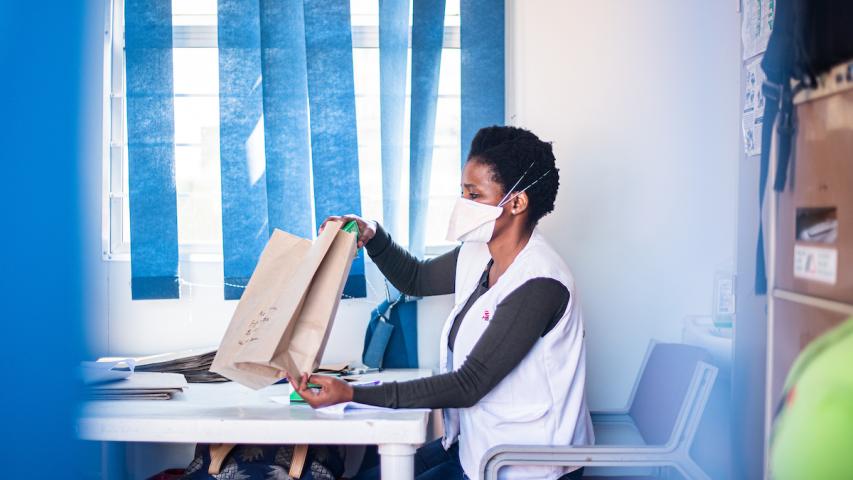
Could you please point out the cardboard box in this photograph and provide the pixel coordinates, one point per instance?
(814, 229)
(794, 326)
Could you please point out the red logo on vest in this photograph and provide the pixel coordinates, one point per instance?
(486, 315)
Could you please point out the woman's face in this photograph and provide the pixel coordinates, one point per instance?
(478, 183)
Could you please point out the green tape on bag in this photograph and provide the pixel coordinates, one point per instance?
(351, 227)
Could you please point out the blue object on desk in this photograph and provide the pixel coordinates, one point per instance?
(376, 341)
(391, 340)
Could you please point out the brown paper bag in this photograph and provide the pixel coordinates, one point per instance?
(282, 322)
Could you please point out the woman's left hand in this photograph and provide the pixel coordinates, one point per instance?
(331, 391)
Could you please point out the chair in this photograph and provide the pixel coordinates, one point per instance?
(654, 432)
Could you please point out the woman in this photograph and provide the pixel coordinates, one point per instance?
(512, 349)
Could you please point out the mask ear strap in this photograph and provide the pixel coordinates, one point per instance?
(524, 189)
(509, 192)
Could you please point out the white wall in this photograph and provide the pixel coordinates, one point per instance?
(641, 102)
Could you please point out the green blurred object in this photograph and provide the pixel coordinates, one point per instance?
(296, 398)
(813, 432)
(351, 227)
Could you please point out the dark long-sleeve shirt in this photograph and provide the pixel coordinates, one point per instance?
(525, 315)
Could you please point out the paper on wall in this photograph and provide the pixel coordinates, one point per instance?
(753, 107)
(752, 127)
(753, 96)
(757, 23)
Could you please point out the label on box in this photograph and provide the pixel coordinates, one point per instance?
(816, 263)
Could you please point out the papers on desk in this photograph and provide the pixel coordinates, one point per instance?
(340, 408)
(193, 364)
(139, 386)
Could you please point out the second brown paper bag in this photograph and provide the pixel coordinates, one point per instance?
(283, 319)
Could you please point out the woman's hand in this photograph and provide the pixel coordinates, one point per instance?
(331, 391)
(366, 228)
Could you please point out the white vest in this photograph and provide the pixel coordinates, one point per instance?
(542, 400)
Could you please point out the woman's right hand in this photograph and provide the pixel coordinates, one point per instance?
(366, 228)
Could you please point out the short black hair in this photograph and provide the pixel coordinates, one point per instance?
(510, 152)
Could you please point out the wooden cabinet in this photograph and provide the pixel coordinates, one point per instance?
(810, 249)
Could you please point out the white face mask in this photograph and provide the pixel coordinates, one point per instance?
(472, 221)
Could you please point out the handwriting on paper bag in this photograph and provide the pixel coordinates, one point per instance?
(251, 332)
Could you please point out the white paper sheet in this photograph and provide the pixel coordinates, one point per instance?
(753, 97)
(341, 408)
(758, 17)
(103, 372)
(337, 409)
(752, 127)
(753, 107)
(818, 264)
(146, 381)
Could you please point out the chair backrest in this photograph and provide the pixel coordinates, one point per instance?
(663, 392)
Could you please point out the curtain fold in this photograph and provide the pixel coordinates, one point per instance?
(331, 99)
(242, 160)
(151, 150)
(285, 99)
(393, 63)
(427, 42)
(482, 41)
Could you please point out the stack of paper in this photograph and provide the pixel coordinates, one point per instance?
(193, 364)
(140, 386)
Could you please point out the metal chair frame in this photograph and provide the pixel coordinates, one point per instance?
(675, 453)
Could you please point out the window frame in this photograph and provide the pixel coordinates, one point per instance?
(114, 178)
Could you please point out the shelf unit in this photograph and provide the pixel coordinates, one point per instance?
(796, 314)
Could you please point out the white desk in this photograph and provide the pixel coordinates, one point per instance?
(231, 413)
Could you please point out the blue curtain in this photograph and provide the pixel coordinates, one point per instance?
(241, 142)
(331, 99)
(393, 63)
(482, 41)
(393, 60)
(288, 137)
(151, 149)
(285, 85)
(427, 39)
(277, 60)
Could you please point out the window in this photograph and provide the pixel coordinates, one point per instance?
(196, 84)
